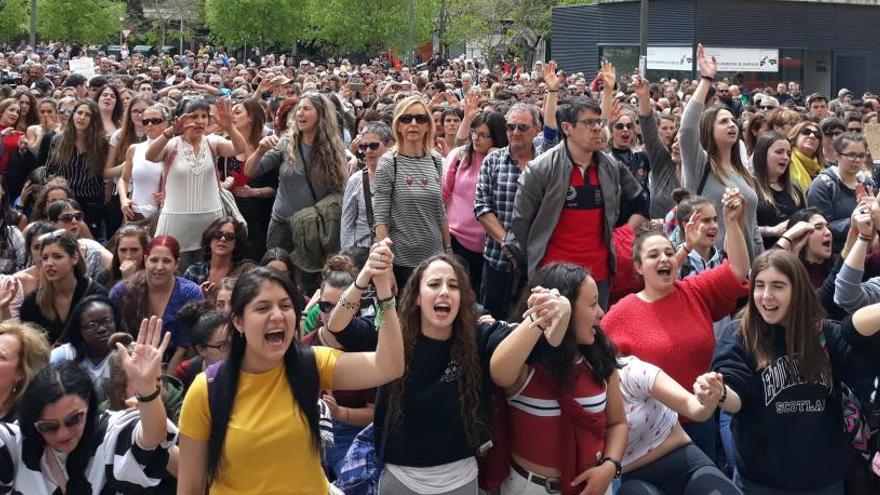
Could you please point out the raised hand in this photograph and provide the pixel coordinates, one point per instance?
(143, 365)
(223, 113)
(642, 88)
(183, 124)
(693, 230)
(734, 205)
(547, 308)
(708, 65)
(380, 262)
(551, 78)
(861, 219)
(8, 290)
(609, 75)
(267, 143)
(472, 105)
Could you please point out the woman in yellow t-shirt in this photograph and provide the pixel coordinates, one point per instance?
(250, 439)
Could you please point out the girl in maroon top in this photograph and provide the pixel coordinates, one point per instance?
(669, 323)
(567, 422)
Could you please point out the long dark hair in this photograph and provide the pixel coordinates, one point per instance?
(601, 355)
(707, 141)
(51, 384)
(128, 136)
(96, 144)
(8, 220)
(496, 124)
(464, 348)
(126, 231)
(116, 116)
(72, 333)
(241, 245)
(762, 176)
(801, 325)
(304, 390)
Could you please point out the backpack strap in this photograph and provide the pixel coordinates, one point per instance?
(704, 179)
(368, 198)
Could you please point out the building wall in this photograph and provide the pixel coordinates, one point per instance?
(811, 26)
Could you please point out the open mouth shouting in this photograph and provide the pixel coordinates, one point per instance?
(443, 310)
(275, 337)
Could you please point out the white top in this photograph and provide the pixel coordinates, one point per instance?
(99, 373)
(145, 178)
(433, 480)
(650, 422)
(192, 192)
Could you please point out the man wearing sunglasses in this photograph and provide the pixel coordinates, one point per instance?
(569, 199)
(494, 204)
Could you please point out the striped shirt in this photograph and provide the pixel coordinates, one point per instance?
(85, 185)
(408, 199)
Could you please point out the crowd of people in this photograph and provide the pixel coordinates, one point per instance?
(262, 276)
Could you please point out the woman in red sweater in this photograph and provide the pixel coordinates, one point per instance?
(669, 323)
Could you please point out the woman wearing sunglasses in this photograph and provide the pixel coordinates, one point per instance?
(86, 339)
(62, 444)
(225, 242)
(357, 229)
(806, 153)
(121, 142)
(67, 214)
(64, 284)
(408, 202)
(351, 410)
(836, 191)
(138, 177)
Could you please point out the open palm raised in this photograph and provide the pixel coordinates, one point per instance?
(143, 363)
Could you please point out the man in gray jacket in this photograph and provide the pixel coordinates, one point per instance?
(568, 199)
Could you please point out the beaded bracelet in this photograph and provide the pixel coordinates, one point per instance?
(382, 306)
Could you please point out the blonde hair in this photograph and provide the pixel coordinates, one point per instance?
(400, 109)
(32, 356)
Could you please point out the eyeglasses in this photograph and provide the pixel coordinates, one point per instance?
(811, 132)
(70, 217)
(222, 346)
(593, 122)
(855, 156)
(93, 326)
(621, 127)
(372, 146)
(518, 127)
(152, 121)
(65, 111)
(223, 236)
(52, 426)
(419, 118)
(481, 135)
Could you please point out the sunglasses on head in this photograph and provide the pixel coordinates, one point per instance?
(152, 121)
(419, 118)
(621, 126)
(518, 127)
(52, 426)
(223, 236)
(70, 217)
(372, 146)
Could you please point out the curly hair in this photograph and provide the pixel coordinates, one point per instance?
(327, 160)
(464, 349)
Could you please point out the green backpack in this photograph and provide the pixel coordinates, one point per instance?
(315, 230)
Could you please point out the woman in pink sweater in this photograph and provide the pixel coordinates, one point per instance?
(669, 323)
(487, 132)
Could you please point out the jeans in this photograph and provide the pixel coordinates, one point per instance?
(498, 290)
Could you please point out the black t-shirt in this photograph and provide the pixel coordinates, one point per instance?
(769, 215)
(30, 310)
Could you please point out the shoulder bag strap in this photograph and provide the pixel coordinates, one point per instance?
(368, 197)
(302, 158)
(704, 178)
